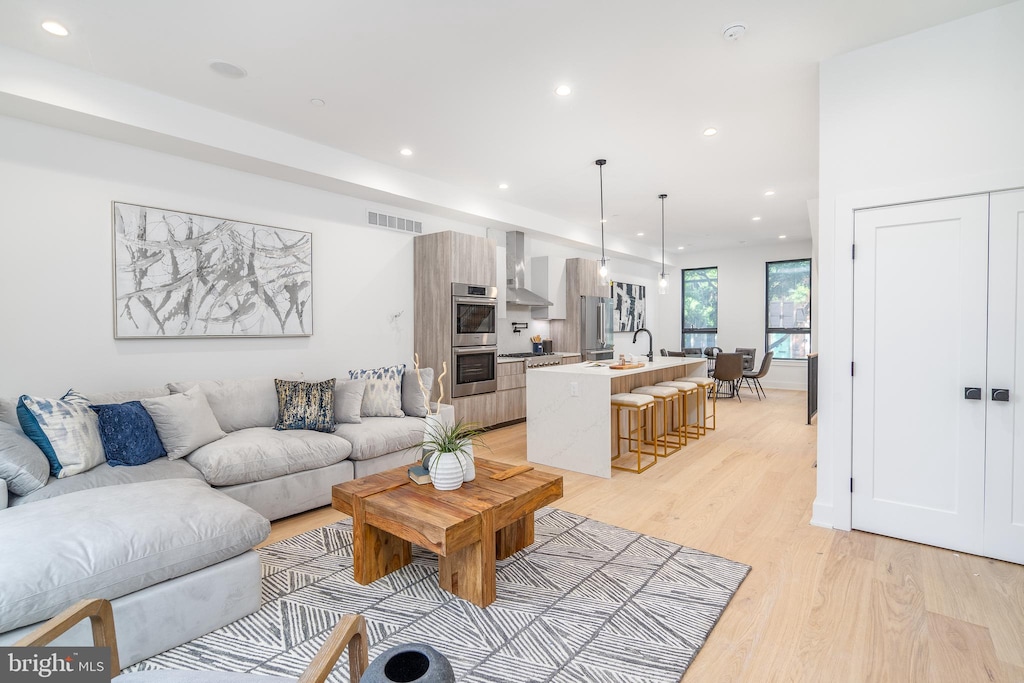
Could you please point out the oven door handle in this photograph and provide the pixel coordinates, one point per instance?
(463, 350)
(477, 300)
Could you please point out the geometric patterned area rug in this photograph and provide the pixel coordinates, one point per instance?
(586, 602)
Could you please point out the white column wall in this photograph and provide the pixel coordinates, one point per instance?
(932, 114)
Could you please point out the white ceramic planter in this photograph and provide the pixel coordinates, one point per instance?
(446, 470)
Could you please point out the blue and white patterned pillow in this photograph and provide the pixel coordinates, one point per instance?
(383, 394)
(66, 431)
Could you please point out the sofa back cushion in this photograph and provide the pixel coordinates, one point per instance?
(239, 403)
(413, 402)
(348, 400)
(66, 431)
(22, 465)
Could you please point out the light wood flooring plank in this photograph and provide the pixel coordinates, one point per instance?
(818, 605)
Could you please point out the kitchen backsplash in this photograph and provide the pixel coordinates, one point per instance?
(509, 342)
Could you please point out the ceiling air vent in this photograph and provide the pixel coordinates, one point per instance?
(394, 222)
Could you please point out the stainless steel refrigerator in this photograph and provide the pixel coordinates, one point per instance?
(596, 320)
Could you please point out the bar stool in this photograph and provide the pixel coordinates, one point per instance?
(688, 392)
(643, 407)
(703, 417)
(669, 399)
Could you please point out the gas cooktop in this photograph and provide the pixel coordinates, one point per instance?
(525, 354)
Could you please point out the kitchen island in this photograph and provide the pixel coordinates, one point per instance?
(569, 414)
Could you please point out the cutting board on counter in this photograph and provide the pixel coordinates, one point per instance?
(626, 366)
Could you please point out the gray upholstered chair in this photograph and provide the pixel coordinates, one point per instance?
(766, 363)
(729, 370)
(749, 355)
(350, 632)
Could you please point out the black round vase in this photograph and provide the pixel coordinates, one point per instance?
(411, 663)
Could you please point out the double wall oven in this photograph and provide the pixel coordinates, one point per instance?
(474, 339)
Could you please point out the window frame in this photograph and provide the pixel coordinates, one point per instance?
(696, 330)
(769, 331)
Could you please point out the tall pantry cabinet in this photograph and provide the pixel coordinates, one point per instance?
(938, 373)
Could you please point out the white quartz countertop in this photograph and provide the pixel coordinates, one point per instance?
(660, 362)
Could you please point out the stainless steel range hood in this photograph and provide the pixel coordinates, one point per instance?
(515, 271)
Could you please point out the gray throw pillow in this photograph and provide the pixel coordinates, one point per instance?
(348, 399)
(22, 465)
(183, 421)
(412, 396)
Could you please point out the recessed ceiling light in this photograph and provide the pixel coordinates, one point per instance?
(639, 234)
(782, 237)
(405, 152)
(680, 248)
(563, 90)
(55, 28)
(317, 102)
(503, 186)
(708, 132)
(769, 193)
(756, 218)
(604, 220)
(227, 69)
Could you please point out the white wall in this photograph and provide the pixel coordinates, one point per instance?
(741, 302)
(55, 268)
(933, 114)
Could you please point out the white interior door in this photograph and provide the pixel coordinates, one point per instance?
(920, 280)
(1004, 468)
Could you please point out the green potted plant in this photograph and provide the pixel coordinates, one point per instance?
(449, 453)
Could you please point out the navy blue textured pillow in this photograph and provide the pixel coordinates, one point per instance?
(128, 434)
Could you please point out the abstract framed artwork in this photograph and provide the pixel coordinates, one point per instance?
(184, 275)
(630, 306)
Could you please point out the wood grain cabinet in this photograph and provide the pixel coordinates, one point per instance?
(439, 259)
(511, 394)
(582, 278)
(572, 358)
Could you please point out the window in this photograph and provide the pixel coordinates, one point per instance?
(700, 307)
(788, 308)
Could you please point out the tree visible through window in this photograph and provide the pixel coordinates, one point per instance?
(788, 308)
(700, 307)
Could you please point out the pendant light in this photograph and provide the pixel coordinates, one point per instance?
(604, 262)
(662, 280)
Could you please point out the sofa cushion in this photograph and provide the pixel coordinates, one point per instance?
(22, 465)
(184, 421)
(348, 400)
(380, 435)
(239, 403)
(305, 405)
(105, 475)
(383, 394)
(126, 395)
(413, 402)
(261, 453)
(66, 431)
(104, 544)
(128, 434)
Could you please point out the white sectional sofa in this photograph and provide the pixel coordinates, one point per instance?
(170, 541)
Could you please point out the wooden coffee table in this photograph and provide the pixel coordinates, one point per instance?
(469, 528)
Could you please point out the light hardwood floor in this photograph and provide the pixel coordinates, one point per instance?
(818, 605)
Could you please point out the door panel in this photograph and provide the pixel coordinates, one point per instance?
(1004, 491)
(920, 320)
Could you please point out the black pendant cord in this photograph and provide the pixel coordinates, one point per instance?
(600, 168)
(662, 197)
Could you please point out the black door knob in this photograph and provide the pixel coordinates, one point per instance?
(1000, 394)
(972, 393)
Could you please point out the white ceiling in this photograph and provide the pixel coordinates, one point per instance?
(468, 85)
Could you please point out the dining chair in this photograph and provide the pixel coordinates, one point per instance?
(710, 353)
(766, 363)
(729, 369)
(748, 357)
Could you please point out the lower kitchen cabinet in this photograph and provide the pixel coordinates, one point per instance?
(569, 359)
(507, 404)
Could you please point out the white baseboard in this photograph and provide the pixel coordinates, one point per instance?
(821, 515)
(793, 386)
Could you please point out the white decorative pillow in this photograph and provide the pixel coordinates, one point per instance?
(66, 431)
(383, 394)
(183, 421)
(348, 400)
(22, 464)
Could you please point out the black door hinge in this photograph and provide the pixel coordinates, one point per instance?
(851, 484)
(851, 368)
(853, 251)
